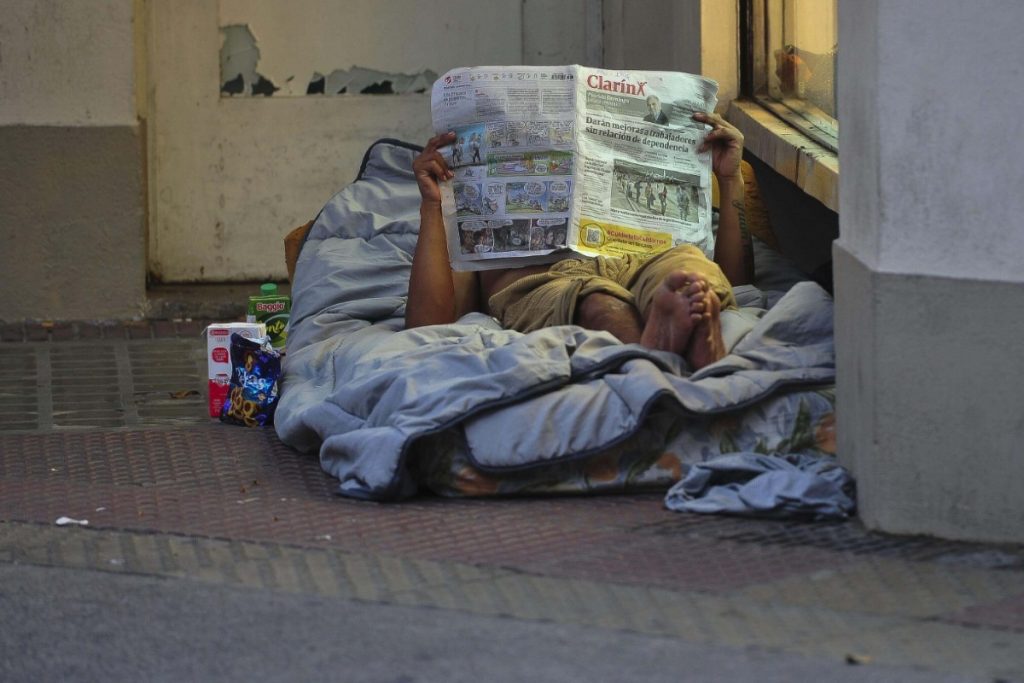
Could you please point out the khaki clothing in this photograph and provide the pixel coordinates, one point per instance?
(550, 298)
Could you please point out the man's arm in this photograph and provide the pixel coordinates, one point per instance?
(734, 249)
(436, 294)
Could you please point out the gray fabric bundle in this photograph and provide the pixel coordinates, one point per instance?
(757, 485)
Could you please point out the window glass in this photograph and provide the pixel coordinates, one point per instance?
(794, 47)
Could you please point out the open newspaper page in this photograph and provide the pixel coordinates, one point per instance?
(550, 158)
(642, 187)
(514, 163)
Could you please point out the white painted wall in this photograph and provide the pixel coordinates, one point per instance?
(719, 47)
(927, 268)
(695, 36)
(66, 63)
(932, 171)
(300, 37)
(229, 176)
(72, 214)
(563, 32)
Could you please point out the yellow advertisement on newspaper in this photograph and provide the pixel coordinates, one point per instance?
(598, 238)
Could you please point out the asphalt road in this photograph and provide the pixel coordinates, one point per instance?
(80, 625)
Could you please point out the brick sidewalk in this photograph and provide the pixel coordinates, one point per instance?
(167, 492)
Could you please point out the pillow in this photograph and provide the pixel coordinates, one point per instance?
(293, 242)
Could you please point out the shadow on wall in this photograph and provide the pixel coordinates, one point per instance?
(804, 227)
(240, 56)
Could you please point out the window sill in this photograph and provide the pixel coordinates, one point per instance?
(808, 165)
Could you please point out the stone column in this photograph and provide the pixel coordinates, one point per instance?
(929, 266)
(72, 206)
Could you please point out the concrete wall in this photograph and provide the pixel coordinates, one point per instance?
(299, 39)
(71, 184)
(232, 174)
(928, 278)
(100, 99)
(696, 36)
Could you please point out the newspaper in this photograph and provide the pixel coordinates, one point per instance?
(549, 159)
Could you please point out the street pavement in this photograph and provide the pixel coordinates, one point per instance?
(216, 553)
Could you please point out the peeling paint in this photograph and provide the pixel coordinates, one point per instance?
(371, 81)
(205, 150)
(316, 85)
(239, 57)
(365, 81)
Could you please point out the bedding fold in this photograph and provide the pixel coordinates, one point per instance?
(366, 394)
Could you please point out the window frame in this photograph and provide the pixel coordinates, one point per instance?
(755, 48)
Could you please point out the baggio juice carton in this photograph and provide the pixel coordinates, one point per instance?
(218, 357)
(273, 310)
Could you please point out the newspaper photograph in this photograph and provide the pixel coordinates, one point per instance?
(553, 158)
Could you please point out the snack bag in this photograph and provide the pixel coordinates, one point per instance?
(253, 390)
(218, 358)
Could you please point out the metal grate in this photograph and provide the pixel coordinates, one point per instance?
(84, 387)
(19, 379)
(844, 537)
(103, 384)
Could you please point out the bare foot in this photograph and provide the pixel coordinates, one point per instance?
(677, 307)
(706, 345)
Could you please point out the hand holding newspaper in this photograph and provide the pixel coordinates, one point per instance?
(554, 158)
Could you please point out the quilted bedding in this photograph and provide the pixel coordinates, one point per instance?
(473, 409)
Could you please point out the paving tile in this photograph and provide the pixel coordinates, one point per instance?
(892, 587)
(12, 332)
(944, 647)
(190, 329)
(1007, 613)
(88, 330)
(169, 492)
(138, 329)
(64, 332)
(164, 329)
(724, 619)
(229, 482)
(37, 333)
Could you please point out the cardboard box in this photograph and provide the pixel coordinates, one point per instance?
(218, 358)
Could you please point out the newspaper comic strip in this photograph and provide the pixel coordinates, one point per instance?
(553, 158)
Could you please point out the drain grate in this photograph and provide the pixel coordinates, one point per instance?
(19, 378)
(85, 390)
(102, 384)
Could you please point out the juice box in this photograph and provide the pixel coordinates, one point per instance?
(218, 358)
(273, 310)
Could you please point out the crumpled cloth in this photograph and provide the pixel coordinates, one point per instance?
(756, 485)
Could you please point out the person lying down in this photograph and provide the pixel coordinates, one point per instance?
(677, 300)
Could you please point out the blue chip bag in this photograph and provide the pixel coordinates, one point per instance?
(253, 389)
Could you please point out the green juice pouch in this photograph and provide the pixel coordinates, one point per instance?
(273, 310)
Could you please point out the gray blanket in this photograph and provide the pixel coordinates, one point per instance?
(362, 390)
(756, 485)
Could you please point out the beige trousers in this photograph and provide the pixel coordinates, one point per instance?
(550, 298)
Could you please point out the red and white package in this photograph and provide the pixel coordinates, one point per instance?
(218, 358)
